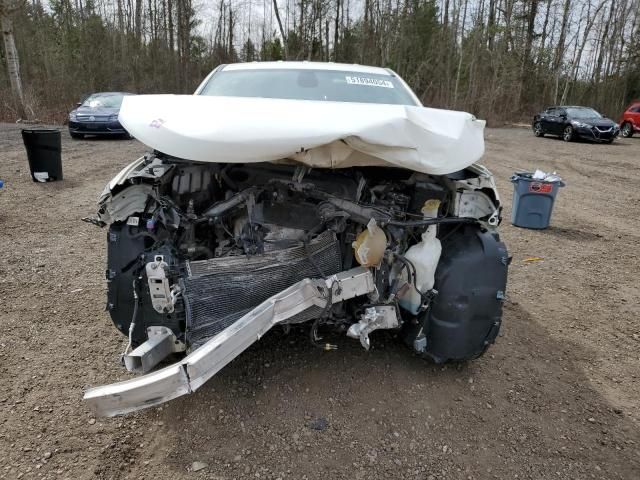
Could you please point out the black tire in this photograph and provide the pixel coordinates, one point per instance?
(77, 136)
(538, 131)
(567, 133)
(626, 130)
(127, 136)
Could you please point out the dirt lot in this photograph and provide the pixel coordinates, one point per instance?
(558, 396)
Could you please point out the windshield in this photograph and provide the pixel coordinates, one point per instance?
(105, 100)
(583, 113)
(304, 84)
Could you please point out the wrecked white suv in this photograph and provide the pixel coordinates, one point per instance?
(296, 193)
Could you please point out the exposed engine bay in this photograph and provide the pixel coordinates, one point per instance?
(197, 250)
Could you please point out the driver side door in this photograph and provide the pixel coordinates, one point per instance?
(555, 121)
(563, 120)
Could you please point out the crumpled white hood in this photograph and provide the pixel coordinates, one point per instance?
(316, 133)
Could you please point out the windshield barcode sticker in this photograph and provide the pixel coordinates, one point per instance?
(372, 82)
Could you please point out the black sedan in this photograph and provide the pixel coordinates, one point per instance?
(97, 115)
(575, 122)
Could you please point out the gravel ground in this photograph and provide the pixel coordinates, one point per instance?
(558, 396)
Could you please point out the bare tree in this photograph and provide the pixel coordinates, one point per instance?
(455, 91)
(591, 17)
(7, 8)
(284, 37)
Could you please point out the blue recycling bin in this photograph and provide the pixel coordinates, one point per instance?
(533, 200)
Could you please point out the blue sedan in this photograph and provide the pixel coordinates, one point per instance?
(98, 115)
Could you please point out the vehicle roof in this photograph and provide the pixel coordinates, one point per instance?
(351, 67)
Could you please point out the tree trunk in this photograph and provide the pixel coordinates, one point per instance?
(464, 20)
(491, 25)
(445, 14)
(543, 37)
(557, 61)
(120, 16)
(284, 37)
(531, 18)
(11, 53)
(170, 22)
(525, 69)
(138, 20)
(563, 35)
(326, 40)
(301, 40)
(336, 31)
(231, 27)
(603, 40)
(365, 31)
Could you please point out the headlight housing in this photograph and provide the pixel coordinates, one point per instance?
(113, 118)
(72, 116)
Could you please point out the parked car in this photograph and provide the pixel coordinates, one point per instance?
(571, 123)
(630, 120)
(97, 115)
(296, 193)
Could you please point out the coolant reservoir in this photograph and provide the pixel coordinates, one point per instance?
(425, 256)
(370, 245)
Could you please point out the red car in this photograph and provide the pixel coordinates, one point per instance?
(630, 120)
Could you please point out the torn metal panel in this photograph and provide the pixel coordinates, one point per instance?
(476, 204)
(477, 196)
(120, 206)
(483, 179)
(153, 170)
(194, 370)
(144, 167)
(121, 177)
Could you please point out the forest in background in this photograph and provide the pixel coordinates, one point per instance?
(499, 59)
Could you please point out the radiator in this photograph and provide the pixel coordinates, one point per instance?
(219, 291)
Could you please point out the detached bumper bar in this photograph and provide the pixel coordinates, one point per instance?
(199, 366)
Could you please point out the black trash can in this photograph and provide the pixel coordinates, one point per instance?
(44, 151)
(533, 200)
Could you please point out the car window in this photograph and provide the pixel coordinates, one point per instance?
(110, 100)
(635, 109)
(583, 112)
(305, 84)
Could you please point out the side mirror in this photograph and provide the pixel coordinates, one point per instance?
(79, 104)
